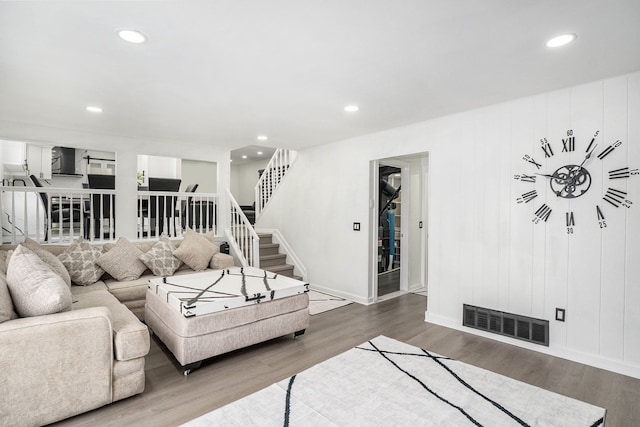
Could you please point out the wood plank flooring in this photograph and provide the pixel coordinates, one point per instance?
(171, 398)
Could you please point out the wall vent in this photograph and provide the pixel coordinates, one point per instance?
(508, 324)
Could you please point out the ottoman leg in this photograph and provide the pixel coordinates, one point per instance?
(190, 367)
(298, 333)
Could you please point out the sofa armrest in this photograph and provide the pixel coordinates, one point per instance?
(55, 366)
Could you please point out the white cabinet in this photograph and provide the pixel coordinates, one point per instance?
(39, 161)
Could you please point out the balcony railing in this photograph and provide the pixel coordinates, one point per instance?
(59, 215)
(172, 213)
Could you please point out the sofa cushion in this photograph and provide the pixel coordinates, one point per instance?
(195, 250)
(6, 304)
(3, 262)
(129, 290)
(80, 260)
(160, 259)
(130, 336)
(121, 261)
(221, 261)
(35, 288)
(46, 256)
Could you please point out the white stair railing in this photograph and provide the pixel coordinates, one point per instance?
(272, 176)
(243, 238)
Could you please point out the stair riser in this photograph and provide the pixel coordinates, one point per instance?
(269, 250)
(264, 263)
(266, 239)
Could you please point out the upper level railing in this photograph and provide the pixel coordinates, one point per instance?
(271, 177)
(59, 215)
(172, 213)
(242, 236)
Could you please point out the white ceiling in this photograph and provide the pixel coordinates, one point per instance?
(222, 72)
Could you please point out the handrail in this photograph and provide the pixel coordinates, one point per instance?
(244, 239)
(271, 177)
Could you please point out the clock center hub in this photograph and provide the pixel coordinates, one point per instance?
(570, 181)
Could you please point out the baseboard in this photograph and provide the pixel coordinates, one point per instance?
(616, 366)
(341, 294)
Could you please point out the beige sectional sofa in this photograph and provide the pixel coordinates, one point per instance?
(88, 355)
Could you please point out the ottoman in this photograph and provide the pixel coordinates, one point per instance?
(201, 315)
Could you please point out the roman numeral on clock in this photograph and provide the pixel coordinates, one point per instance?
(542, 213)
(569, 144)
(525, 178)
(527, 197)
(614, 197)
(571, 221)
(600, 216)
(529, 159)
(622, 173)
(546, 147)
(609, 149)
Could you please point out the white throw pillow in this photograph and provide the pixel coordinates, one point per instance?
(35, 288)
(122, 261)
(80, 260)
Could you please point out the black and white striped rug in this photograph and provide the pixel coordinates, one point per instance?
(384, 382)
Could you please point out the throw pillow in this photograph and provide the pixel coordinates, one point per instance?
(35, 288)
(6, 305)
(122, 261)
(195, 250)
(80, 260)
(160, 259)
(46, 256)
(3, 262)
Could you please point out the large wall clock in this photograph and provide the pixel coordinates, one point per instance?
(563, 177)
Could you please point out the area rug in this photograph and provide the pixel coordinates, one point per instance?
(422, 292)
(384, 382)
(320, 302)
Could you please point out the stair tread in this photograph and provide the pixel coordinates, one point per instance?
(269, 245)
(269, 257)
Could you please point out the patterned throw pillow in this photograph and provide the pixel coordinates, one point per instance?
(195, 250)
(46, 256)
(80, 260)
(35, 288)
(122, 261)
(160, 259)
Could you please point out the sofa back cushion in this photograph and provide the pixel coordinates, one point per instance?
(34, 287)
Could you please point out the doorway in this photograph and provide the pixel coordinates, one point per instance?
(389, 229)
(398, 234)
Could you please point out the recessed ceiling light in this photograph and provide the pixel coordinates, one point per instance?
(244, 157)
(351, 108)
(561, 40)
(94, 109)
(259, 153)
(262, 138)
(132, 36)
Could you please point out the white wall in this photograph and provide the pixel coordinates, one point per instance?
(205, 174)
(244, 178)
(483, 247)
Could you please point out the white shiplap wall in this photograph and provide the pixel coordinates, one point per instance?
(483, 247)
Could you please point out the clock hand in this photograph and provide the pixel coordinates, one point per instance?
(588, 156)
(560, 180)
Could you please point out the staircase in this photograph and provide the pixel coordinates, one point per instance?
(272, 260)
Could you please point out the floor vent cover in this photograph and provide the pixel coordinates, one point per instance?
(512, 325)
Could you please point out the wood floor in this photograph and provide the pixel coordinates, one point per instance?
(171, 399)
